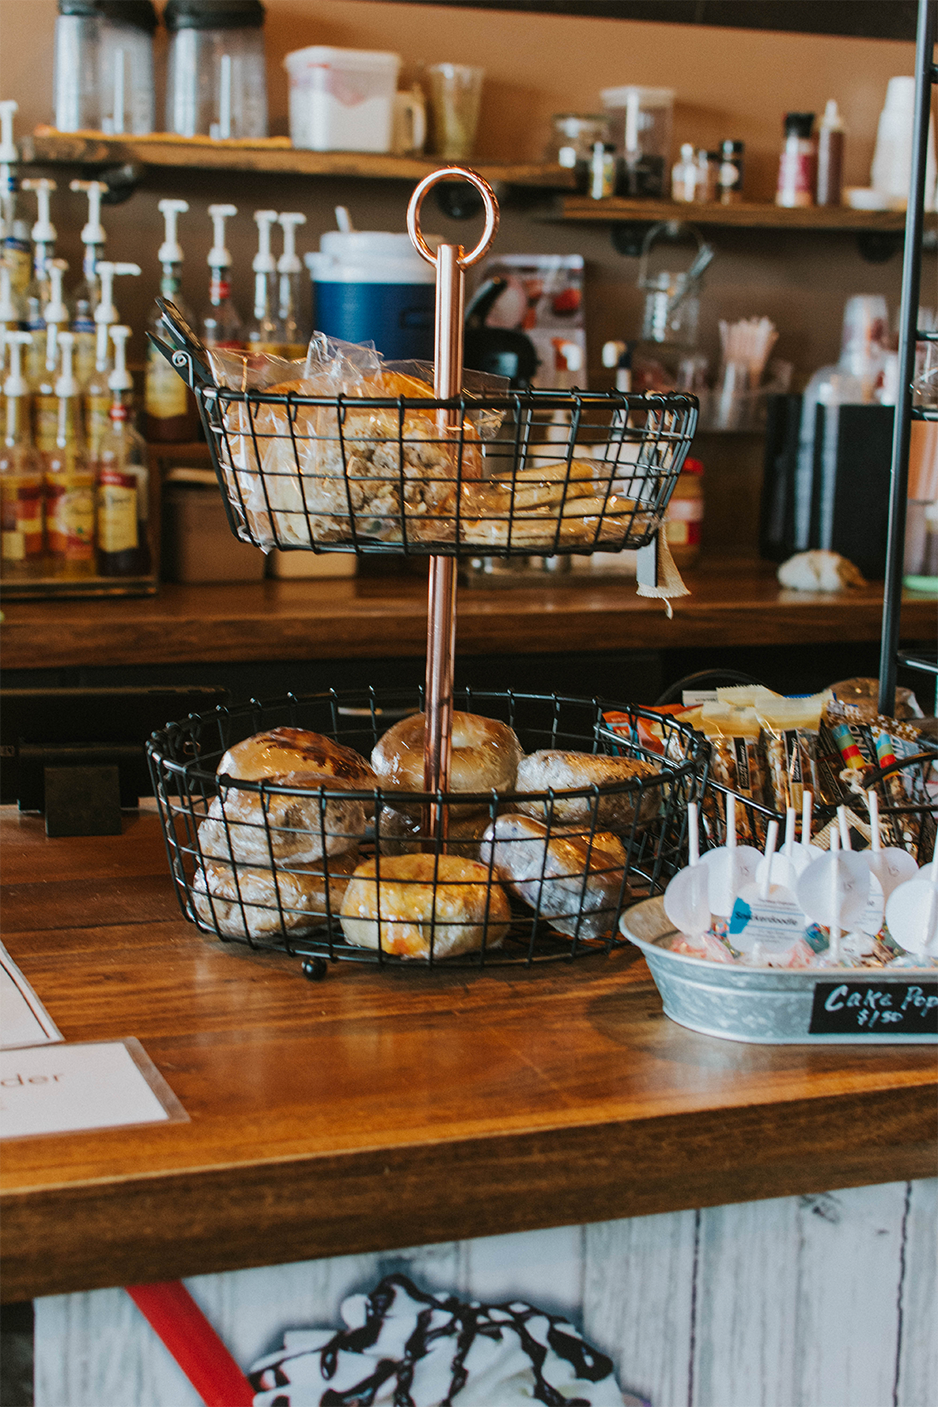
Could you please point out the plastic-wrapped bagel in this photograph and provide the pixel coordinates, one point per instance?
(260, 828)
(246, 902)
(617, 809)
(415, 906)
(574, 880)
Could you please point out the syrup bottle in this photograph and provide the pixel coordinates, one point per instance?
(45, 404)
(69, 482)
(87, 295)
(22, 553)
(221, 326)
(170, 407)
(263, 334)
(289, 286)
(123, 480)
(96, 392)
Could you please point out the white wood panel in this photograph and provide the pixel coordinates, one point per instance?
(797, 1301)
(638, 1277)
(543, 1267)
(917, 1375)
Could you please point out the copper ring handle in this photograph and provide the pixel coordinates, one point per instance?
(454, 173)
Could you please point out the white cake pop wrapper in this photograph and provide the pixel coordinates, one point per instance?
(912, 913)
(833, 891)
(729, 866)
(767, 924)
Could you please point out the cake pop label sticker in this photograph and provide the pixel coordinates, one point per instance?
(879, 1011)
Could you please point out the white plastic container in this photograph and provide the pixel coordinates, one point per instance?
(341, 99)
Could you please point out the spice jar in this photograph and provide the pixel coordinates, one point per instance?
(797, 165)
(684, 518)
(730, 174)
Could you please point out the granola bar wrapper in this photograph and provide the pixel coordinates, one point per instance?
(736, 762)
(909, 795)
(790, 733)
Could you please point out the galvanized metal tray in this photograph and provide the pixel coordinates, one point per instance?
(774, 1006)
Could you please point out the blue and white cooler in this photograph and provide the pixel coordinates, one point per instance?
(369, 286)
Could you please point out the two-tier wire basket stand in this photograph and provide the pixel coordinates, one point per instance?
(442, 475)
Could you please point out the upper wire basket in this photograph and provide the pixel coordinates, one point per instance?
(542, 472)
(522, 877)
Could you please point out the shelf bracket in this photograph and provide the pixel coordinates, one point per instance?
(878, 246)
(628, 236)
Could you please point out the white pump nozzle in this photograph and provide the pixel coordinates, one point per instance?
(264, 262)
(218, 256)
(120, 379)
(105, 314)
(66, 385)
(55, 311)
(8, 309)
(16, 383)
(93, 232)
(288, 263)
(8, 150)
(170, 251)
(43, 231)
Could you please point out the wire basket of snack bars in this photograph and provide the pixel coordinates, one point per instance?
(302, 825)
(812, 756)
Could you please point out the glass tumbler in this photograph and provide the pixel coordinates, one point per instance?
(455, 95)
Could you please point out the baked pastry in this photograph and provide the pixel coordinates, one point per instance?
(574, 879)
(617, 804)
(281, 750)
(246, 902)
(418, 906)
(330, 476)
(267, 827)
(485, 754)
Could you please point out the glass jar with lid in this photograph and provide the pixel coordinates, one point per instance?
(573, 136)
(217, 80)
(76, 100)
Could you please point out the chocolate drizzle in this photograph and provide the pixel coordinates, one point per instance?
(446, 1317)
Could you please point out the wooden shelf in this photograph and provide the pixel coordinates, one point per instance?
(742, 216)
(275, 155)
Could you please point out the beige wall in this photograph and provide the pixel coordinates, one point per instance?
(729, 82)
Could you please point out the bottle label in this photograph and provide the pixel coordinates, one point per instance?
(22, 518)
(70, 515)
(117, 511)
(165, 389)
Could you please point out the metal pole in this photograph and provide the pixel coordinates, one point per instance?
(908, 327)
(451, 262)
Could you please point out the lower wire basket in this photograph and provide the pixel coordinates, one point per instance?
(347, 867)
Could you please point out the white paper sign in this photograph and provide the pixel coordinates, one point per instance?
(69, 1088)
(23, 1018)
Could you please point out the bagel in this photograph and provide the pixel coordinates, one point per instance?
(281, 750)
(423, 906)
(485, 754)
(575, 881)
(246, 902)
(264, 827)
(619, 804)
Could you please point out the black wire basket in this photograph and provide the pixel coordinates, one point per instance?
(276, 865)
(539, 472)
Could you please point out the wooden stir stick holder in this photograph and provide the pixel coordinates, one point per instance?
(451, 261)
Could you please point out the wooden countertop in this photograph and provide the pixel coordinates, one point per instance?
(731, 603)
(380, 1109)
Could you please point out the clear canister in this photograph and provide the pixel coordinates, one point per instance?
(640, 122)
(684, 518)
(125, 66)
(76, 100)
(217, 80)
(573, 135)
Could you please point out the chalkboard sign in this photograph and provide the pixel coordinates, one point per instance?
(875, 1010)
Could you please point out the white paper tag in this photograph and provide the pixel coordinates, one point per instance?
(23, 1018)
(70, 1088)
(765, 921)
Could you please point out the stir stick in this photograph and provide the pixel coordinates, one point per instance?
(451, 261)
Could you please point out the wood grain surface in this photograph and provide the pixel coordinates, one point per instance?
(731, 604)
(743, 215)
(397, 1107)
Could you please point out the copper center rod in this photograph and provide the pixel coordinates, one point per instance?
(441, 610)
